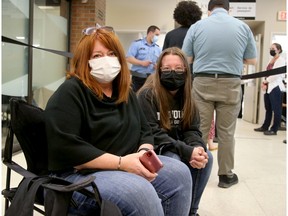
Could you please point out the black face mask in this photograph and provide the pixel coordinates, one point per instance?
(172, 81)
(272, 53)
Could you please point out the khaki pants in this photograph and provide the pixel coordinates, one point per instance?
(224, 96)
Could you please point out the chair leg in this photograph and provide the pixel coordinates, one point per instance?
(8, 179)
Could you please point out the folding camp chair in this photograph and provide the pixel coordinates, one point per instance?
(27, 124)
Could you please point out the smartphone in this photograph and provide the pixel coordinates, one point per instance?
(151, 161)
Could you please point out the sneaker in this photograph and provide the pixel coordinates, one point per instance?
(227, 181)
(270, 132)
(260, 129)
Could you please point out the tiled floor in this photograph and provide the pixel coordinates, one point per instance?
(260, 163)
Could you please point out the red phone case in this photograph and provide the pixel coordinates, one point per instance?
(151, 161)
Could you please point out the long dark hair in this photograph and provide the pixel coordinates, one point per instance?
(162, 95)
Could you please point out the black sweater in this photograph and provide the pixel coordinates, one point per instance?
(176, 140)
(175, 37)
(80, 127)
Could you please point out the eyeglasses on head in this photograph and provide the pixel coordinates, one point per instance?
(92, 30)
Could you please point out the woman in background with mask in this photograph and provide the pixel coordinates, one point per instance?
(171, 112)
(273, 85)
(95, 126)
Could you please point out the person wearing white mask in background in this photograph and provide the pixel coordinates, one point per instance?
(96, 127)
(142, 55)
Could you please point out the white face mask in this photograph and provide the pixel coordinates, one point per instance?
(155, 39)
(105, 69)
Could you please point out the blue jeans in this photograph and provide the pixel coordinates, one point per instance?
(200, 178)
(273, 104)
(169, 194)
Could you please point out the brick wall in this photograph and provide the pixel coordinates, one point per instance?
(85, 13)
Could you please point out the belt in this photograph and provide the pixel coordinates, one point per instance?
(140, 75)
(216, 75)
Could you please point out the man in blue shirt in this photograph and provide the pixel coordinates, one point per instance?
(218, 46)
(143, 55)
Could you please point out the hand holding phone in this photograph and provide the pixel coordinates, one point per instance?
(151, 161)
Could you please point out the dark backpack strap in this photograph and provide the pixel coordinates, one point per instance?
(108, 209)
(56, 203)
(58, 194)
(23, 201)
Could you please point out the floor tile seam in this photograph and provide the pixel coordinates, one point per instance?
(255, 197)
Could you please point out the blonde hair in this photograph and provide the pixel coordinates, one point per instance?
(80, 67)
(162, 95)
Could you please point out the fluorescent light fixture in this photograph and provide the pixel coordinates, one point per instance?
(46, 7)
(20, 37)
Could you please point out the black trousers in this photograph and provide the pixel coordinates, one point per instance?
(137, 82)
(273, 104)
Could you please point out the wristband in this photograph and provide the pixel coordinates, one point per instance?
(146, 149)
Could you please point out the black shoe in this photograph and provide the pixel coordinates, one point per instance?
(270, 132)
(227, 181)
(260, 129)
